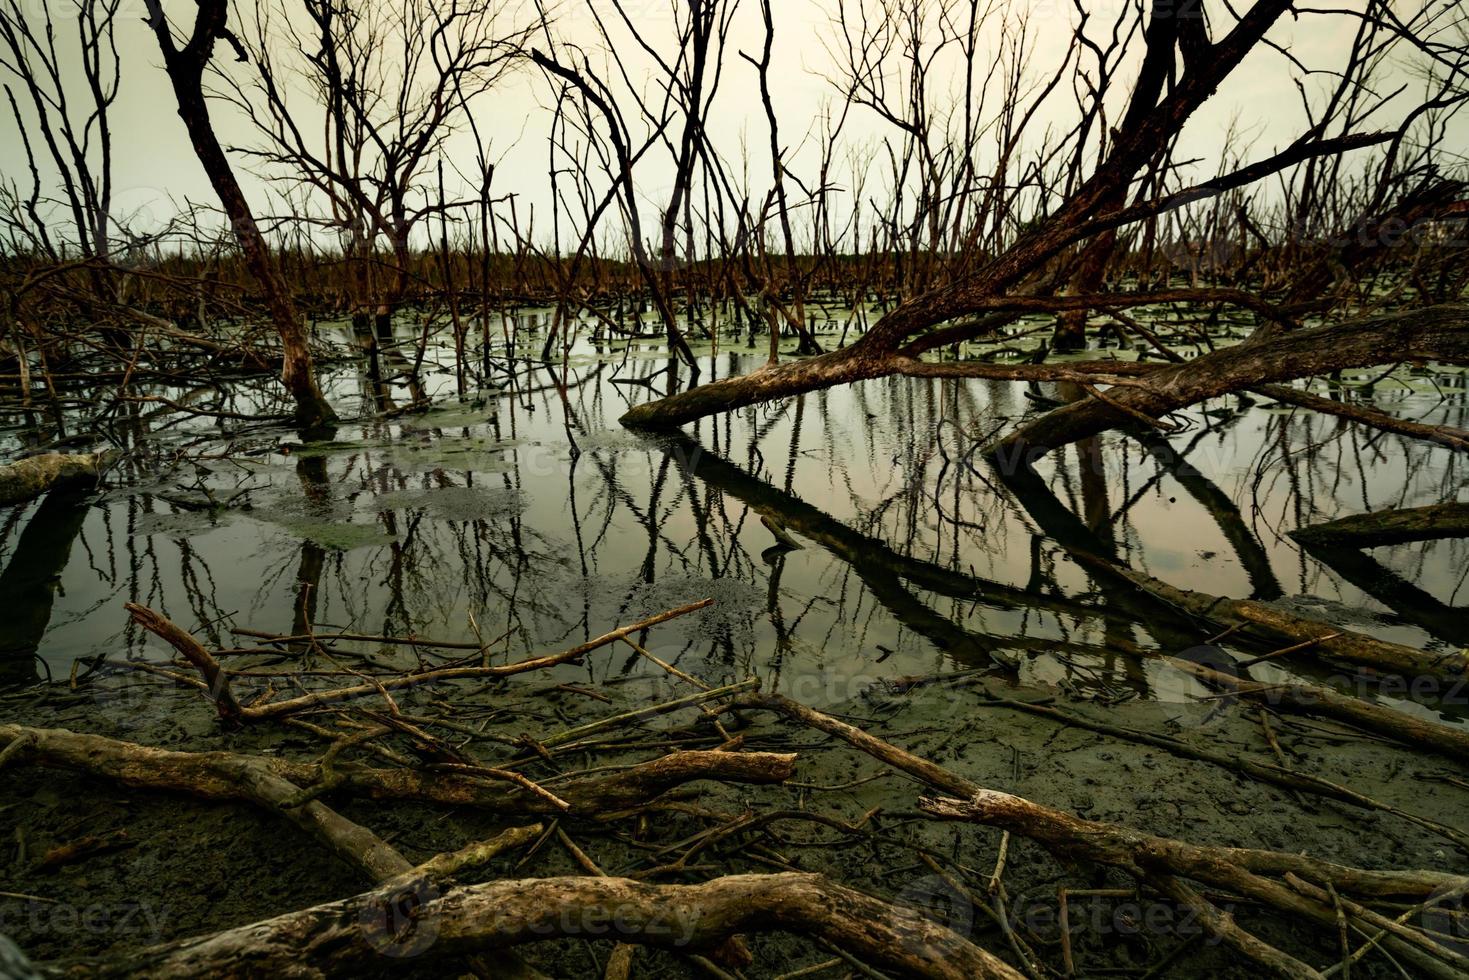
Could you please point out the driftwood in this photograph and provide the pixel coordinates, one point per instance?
(217, 679)
(276, 785)
(331, 940)
(1160, 862)
(1278, 775)
(1325, 639)
(28, 478)
(224, 775)
(1447, 520)
(1313, 699)
(1307, 637)
(230, 776)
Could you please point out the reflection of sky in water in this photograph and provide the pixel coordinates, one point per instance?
(413, 523)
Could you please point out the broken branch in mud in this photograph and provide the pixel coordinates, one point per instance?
(1334, 642)
(1157, 861)
(1278, 775)
(1314, 699)
(219, 775)
(218, 679)
(330, 940)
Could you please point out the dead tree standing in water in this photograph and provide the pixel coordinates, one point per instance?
(1181, 70)
(185, 66)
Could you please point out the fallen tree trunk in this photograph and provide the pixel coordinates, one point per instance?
(1265, 772)
(1435, 333)
(1412, 603)
(330, 940)
(1444, 435)
(226, 775)
(1313, 699)
(28, 478)
(1210, 610)
(1400, 526)
(1357, 880)
(222, 775)
(1159, 861)
(1335, 642)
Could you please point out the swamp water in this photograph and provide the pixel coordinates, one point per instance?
(526, 520)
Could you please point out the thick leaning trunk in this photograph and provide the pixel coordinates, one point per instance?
(185, 67)
(767, 384)
(1436, 333)
(1152, 119)
(298, 372)
(1392, 526)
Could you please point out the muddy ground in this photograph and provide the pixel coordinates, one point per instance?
(191, 867)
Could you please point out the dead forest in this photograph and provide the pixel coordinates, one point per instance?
(726, 488)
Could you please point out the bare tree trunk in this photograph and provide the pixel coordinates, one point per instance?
(1434, 333)
(1156, 113)
(185, 67)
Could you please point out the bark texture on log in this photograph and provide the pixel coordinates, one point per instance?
(228, 776)
(1336, 642)
(1400, 526)
(1435, 333)
(1313, 699)
(1161, 861)
(360, 934)
(26, 479)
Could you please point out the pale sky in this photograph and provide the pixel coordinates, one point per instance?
(154, 165)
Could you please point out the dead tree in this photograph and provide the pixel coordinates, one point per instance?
(186, 66)
(598, 98)
(1181, 69)
(389, 84)
(76, 137)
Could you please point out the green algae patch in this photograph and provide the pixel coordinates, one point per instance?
(457, 503)
(332, 535)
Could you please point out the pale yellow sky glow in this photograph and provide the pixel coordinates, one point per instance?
(154, 168)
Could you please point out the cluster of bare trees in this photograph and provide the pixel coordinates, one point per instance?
(971, 162)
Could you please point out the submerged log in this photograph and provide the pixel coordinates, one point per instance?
(1311, 699)
(1396, 526)
(1308, 636)
(28, 478)
(1333, 642)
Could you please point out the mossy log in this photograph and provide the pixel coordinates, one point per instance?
(26, 479)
